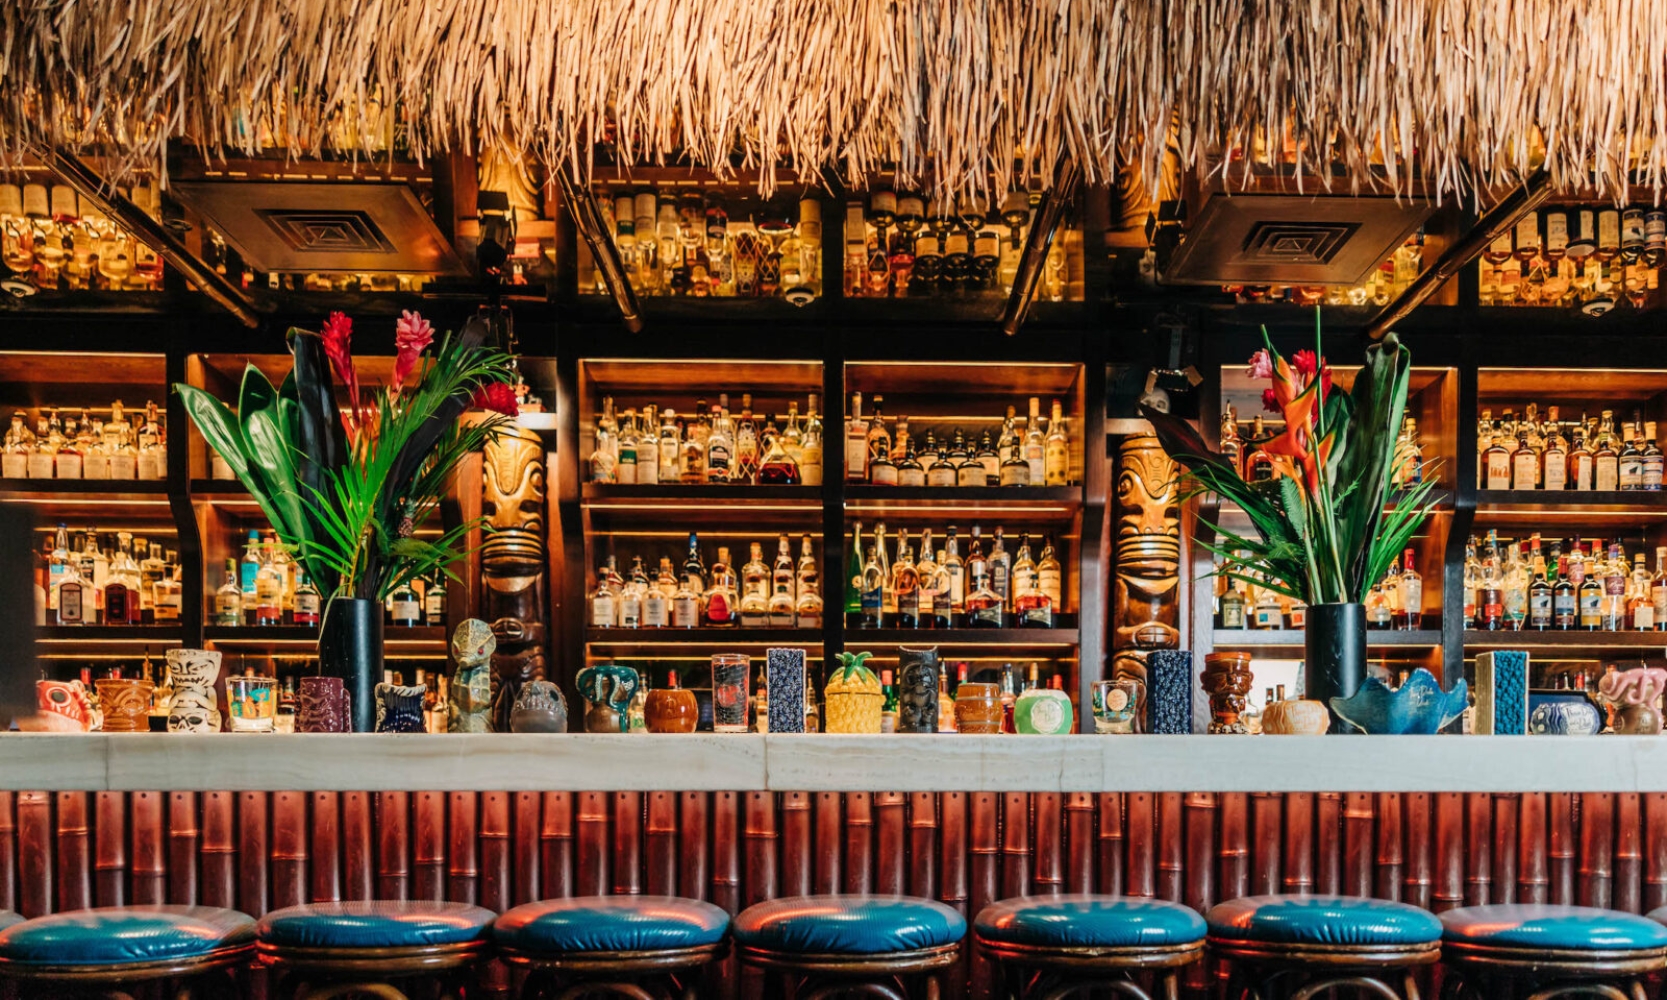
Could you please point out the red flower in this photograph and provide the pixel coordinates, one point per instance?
(499, 397)
(338, 347)
(412, 335)
(1270, 401)
(1305, 362)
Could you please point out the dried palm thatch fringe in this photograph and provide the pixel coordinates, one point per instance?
(960, 94)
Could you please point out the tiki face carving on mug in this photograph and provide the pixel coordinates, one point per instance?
(322, 706)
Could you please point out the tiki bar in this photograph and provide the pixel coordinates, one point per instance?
(660, 499)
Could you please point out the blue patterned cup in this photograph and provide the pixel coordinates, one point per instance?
(399, 708)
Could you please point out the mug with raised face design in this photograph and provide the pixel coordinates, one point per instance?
(126, 702)
(63, 707)
(322, 706)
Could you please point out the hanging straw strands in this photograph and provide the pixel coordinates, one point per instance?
(1458, 95)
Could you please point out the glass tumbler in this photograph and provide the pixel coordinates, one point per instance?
(730, 673)
(253, 702)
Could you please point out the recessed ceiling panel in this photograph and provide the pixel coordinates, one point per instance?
(1290, 240)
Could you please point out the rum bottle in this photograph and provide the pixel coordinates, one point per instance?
(721, 610)
(905, 586)
(810, 447)
(1409, 614)
(1035, 444)
(873, 591)
(1057, 450)
(1606, 468)
(307, 602)
(807, 609)
(856, 443)
(782, 583)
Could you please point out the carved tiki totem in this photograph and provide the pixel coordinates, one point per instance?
(1145, 612)
(514, 565)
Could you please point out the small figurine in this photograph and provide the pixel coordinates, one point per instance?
(64, 708)
(1635, 696)
(539, 708)
(472, 646)
(609, 688)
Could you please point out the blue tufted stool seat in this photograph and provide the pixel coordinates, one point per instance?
(1554, 950)
(612, 944)
(125, 944)
(372, 942)
(1322, 941)
(827, 939)
(1079, 943)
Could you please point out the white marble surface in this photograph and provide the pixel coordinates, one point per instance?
(96, 762)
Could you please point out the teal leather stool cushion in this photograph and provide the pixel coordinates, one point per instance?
(610, 923)
(1322, 920)
(375, 923)
(124, 935)
(848, 925)
(1086, 921)
(8, 918)
(1568, 928)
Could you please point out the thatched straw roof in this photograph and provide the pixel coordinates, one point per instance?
(1477, 88)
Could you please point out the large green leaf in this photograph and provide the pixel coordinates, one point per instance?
(1379, 399)
(223, 432)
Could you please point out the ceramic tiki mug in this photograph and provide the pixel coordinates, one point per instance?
(539, 708)
(399, 707)
(64, 708)
(671, 709)
(126, 703)
(978, 707)
(608, 689)
(1295, 717)
(472, 646)
(1227, 680)
(322, 706)
(1043, 712)
(193, 667)
(853, 697)
(917, 689)
(195, 705)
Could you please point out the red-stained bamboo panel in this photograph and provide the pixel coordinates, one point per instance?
(829, 848)
(1267, 842)
(524, 871)
(1141, 832)
(1597, 848)
(694, 857)
(254, 894)
(1533, 865)
(1359, 841)
(1419, 824)
(35, 853)
(494, 852)
(1449, 851)
(324, 868)
(859, 842)
(760, 837)
(660, 845)
(219, 850)
(428, 846)
(8, 852)
(590, 861)
(890, 838)
(1171, 844)
(1110, 867)
(555, 838)
(1198, 883)
(627, 841)
(1628, 893)
(1298, 860)
(952, 849)
(1478, 848)
(984, 860)
(75, 877)
(183, 836)
(463, 847)
(1655, 851)
(923, 845)
(1047, 844)
(150, 864)
(1328, 843)
(1233, 846)
(358, 854)
(1391, 844)
(725, 819)
(109, 851)
(1562, 852)
(289, 849)
(1080, 847)
(393, 845)
(1015, 844)
(1505, 812)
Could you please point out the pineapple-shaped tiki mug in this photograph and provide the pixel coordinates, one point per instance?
(853, 696)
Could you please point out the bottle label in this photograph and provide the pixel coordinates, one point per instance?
(1606, 474)
(70, 608)
(654, 610)
(940, 475)
(602, 466)
(1556, 232)
(717, 463)
(648, 470)
(434, 606)
(926, 599)
(625, 471)
(1232, 615)
(1591, 607)
(908, 602)
(1525, 471)
(970, 474)
(717, 608)
(40, 466)
(1582, 472)
(1651, 478)
(1556, 470)
(988, 616)
(1499, 470)
(999, 580)
(1658, 598)
(912, 475)
(1042, 615)
(307, 604)
(1539, 609)
(810, 465)
(685, 612)
(1493, 604)
(1269, 616)
(1632, 473)
(856, 454)
(957, 586)
(602, 611)
(1047, 581)
(1015, 474)
(630, 613)
(1643, 617)
(1056, 460)
(406, 610)
(871, 602)
(882, 474)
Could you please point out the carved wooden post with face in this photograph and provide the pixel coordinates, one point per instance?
(1145, 611)
(514, 565)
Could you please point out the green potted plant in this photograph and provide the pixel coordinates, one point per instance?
(346, 481)
(1325, 527)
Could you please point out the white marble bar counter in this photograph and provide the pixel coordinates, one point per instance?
(706, 762)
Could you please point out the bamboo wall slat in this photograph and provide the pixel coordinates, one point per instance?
(260, 851)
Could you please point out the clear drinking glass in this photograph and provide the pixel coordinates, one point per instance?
(253, 702)
(1114, 705)
(730, 673)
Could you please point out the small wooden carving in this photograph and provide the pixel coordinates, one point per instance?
(514, 565)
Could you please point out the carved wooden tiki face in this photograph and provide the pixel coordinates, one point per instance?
(1148, 547)
(513, 506)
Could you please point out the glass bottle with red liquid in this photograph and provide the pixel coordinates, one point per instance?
(777, 468)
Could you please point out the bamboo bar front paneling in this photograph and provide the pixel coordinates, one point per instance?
(261, 850)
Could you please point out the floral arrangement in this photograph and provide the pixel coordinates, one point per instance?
(1323, 530)
(346, 483)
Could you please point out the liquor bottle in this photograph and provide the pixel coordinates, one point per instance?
(1233, 602)
(118, 439)
(983, 605)
(905, 586)
(268, 604)
(94, 568)
(782, 582)
(74, 596)
(694, 571)
(1606, 470)
(1590, 600)
(95, 457)
(151, 568)
(1565, 608)
(1049, 577)
(67, 458)
(692, 465)
(856, 443)
(1380, 614)
(1267, 613)
(1409, 614)
(810, 447)
(604, 601)
(685, 606)
(1581, 470)
(1516, 588)
(872, 591)
(1496, 459)
(1653, 459)
(1001, 570)
(720, 443)
(604, 458)
(1232, 447)
(1492, 599)
(946, 704)
(1057, 450)
(968, 470)
(748, 457)
(910, 472)
(888, 597)
(434, 600)
(168, 594)
(308, 601)
(853, 579)
(755, 590)
(987, 458)
(1554, 460)
(1035, 444)
(1525, 465)
(1658, 589)
(807, 609)
(1541, 599)
(656, 601)
(1472, 582)
(1258, 467)
(721, 599)
(1640, 612)
(1615, 577)
(955, 572)
(249, 568)
(882, 471)
(942, 472)
(1630, 461)
(228, 600)
(930, 600)
(778, 467)
(888, 704)
(626, 449)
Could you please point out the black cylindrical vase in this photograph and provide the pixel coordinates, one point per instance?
(1336, 655)
(350, 647)
(917, 689)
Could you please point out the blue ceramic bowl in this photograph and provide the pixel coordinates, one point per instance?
(1419, 707)
(1563, 713)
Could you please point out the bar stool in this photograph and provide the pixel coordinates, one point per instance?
(860, 945)
(193, 950)
(1301, 946)
(1494, 951)
(377, 947)
(625, 946)
(1057, 946)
